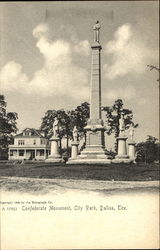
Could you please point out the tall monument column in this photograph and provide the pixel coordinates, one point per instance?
(94, 151)
(95, 98)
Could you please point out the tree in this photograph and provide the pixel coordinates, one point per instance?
(64, 123)
(140, 152)
(79, 118)
(148, 151)
(155, 68)
(47, 122)
(8, 125)
(113, 114)
(67, 120)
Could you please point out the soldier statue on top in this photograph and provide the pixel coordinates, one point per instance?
(96, 29)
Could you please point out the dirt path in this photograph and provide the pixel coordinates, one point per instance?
(32, 185)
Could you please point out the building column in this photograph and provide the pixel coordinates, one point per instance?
(24, 153)
(45, 153)
(35, 154)
(9, 154)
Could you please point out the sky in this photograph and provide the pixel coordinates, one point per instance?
(45, 60)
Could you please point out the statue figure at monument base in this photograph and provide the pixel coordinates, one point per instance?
(122, 156)
(55, 156)
(131, 144)
(56, 127)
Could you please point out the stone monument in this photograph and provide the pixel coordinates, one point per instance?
(94, 151)
(74, 144)
(55, 157)
(131, 144)
(122, 156)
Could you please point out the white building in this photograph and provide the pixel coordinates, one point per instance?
(30, 144)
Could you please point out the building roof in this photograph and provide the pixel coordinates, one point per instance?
(34, 133)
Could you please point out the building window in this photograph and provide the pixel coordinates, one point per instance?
(21, 152)
(41, 152)
(34, 142)
(11, 152)
(43, 141)
(20, 142)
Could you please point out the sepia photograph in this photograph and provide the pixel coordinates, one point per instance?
(79, 125)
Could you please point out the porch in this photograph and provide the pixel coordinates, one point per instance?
(28, 154)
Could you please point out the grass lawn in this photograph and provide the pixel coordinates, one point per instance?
(117, 172)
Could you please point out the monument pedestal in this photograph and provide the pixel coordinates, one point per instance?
(122, 156)
(95, 144)
(94, 151)
(54, 156)
(131, 150)
(74, 151)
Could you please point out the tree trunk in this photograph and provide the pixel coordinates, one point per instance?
(116, 142)
(60, 145)
(85, 137)
(116, 146)
(67, 144)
